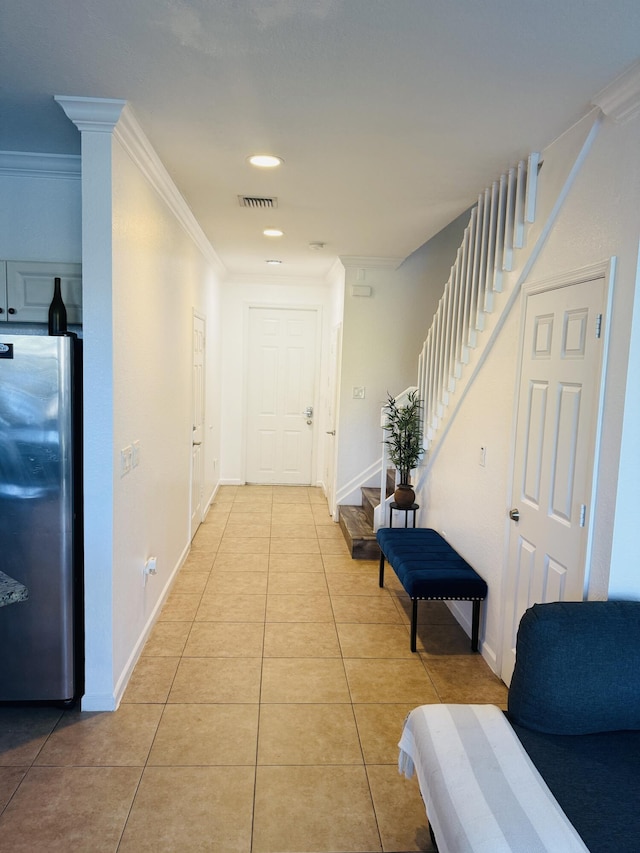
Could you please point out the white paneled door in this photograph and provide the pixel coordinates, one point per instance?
(554, 450)
(197, 425)
(281, 383)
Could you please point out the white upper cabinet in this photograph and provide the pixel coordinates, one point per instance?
(26, 290)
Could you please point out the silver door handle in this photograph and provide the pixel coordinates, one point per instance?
(308, 412)
(514, 514)
(331, 432)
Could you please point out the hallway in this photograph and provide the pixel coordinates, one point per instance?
(264, 712)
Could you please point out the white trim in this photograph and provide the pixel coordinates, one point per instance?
(23, 164)
(537, 247)
(95, 115)
(127, 672)
(602, 270)
(620, 100)
(352, 488)
(204, 508)
(265, 278)
(108, 115)
(352, 261)
(135, 142)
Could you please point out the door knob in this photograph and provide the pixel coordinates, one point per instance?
(514, 514)
(308, 412)
(331, 432)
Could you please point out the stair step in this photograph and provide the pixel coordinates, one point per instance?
(370, 500)
(358, 533)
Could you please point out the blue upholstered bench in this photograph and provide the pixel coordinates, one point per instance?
(429, 569)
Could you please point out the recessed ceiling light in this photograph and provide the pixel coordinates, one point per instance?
(273, 261)
(265, 161)
(273, 232)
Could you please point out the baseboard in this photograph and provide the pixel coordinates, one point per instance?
(211, 499)
(98, 702)
(463, 617)
(111, 703)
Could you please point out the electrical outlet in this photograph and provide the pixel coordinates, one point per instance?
(358, 392)
(126, 460)
(150, 568)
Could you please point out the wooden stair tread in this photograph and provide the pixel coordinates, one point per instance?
(358, 533)
(356, 522)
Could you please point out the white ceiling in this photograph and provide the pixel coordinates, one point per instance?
(391, 115)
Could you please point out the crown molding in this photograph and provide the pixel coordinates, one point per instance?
(98, 115)
(352, 261)
(279, 280)
(24, 164)
(105, 115)
(620, 100)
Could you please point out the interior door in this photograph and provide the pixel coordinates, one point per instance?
(554, 450)
(333, 385)
(281, 383)
(197, 429)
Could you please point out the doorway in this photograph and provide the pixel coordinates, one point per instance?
(282, 359)
(197, 423)
(555, 445)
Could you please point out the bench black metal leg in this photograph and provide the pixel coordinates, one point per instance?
(475, 626)
(414, 623)
(381, 578)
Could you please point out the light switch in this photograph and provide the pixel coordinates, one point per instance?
(358, 392)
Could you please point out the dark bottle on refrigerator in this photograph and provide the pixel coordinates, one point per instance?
(57, 311)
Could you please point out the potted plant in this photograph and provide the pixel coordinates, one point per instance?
(404, 427)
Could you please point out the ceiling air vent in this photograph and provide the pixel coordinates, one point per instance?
(258, 202)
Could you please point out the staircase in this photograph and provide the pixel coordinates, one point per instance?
(476, 298)
(356, 522)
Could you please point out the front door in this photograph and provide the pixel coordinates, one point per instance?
(281, 383)
(554, 450)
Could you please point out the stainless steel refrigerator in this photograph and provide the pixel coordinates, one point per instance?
(40, 516)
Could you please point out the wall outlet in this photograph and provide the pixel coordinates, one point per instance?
(126, 460)
(150, 568)
(358, 392)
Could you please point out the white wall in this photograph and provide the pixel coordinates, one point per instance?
(599, 218)
(623, 577)
(159, 278)
(238, 294)
(382, 338)
(146, 268)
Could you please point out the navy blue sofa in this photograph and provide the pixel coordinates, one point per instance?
(574, 702)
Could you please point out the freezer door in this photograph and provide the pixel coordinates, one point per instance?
(37, 516)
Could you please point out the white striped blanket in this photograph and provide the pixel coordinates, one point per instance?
(481, 790)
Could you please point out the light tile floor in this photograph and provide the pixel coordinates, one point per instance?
(264, 713)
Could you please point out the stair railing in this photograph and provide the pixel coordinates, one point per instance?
(497, 226)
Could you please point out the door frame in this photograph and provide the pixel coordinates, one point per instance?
(605, 270)
(199, 316)
(333, 409)
(319, 416)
